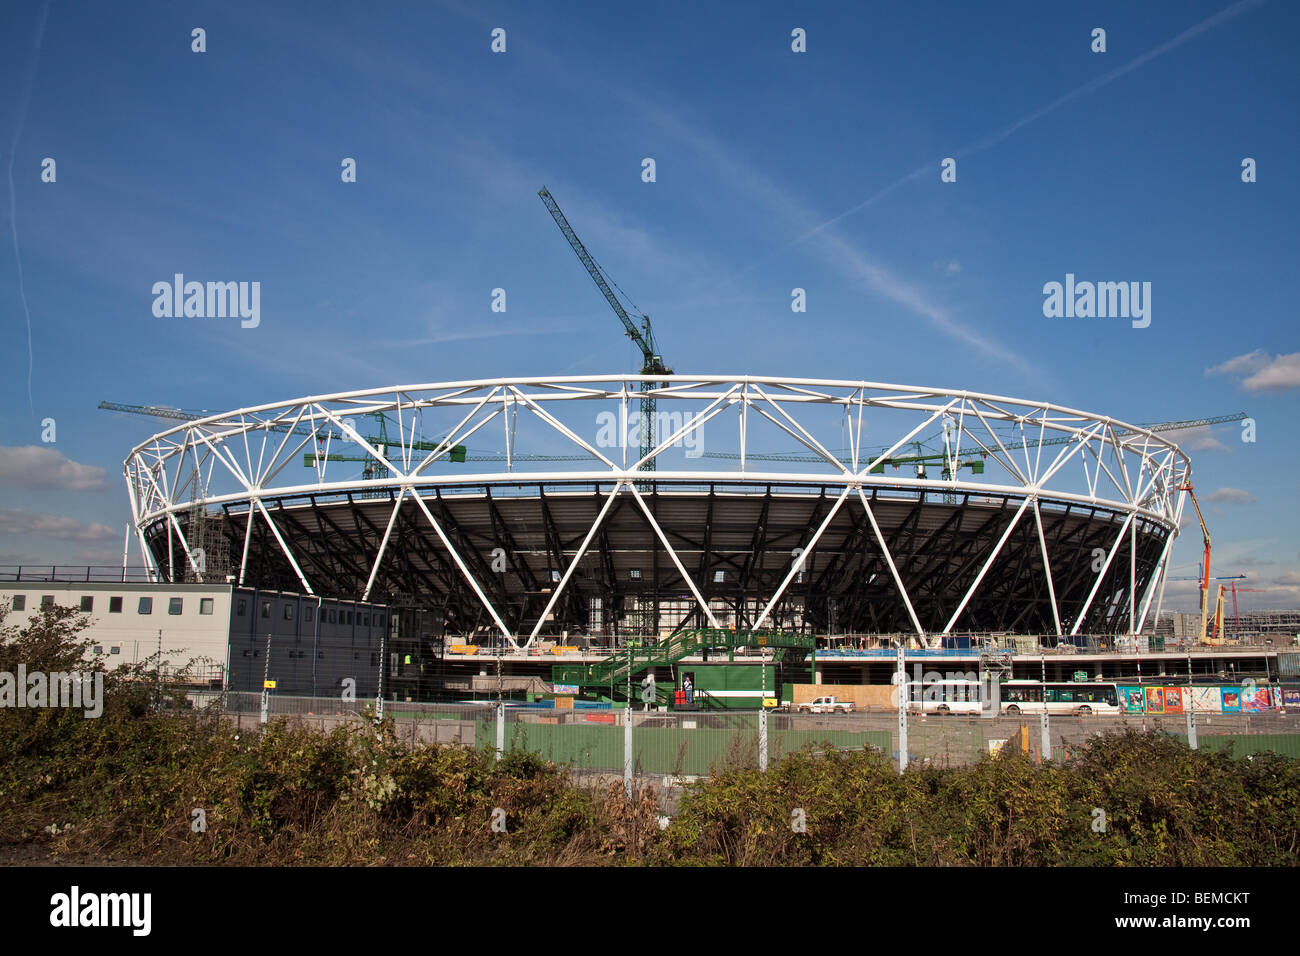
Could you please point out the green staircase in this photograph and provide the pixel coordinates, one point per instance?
(614, 672)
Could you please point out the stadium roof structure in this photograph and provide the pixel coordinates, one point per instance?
(832, 506)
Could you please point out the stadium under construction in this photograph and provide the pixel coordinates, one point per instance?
(675, 515)
(628, 511)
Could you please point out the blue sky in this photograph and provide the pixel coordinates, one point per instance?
(1115, 166)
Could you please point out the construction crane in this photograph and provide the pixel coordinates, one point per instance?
(1157, 427)
(455, 453)
(652, 361)
(1205, 560)
(1236, 617)
(973, 459)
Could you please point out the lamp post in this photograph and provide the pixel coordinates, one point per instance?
(762, 715)
(1045, 727)
(901, 680)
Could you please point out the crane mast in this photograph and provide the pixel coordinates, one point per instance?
(652, 362)
(1205, 560)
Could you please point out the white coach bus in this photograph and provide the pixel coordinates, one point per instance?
(1063, 697)
(966, 697)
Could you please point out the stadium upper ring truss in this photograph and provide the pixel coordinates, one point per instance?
(836, 506)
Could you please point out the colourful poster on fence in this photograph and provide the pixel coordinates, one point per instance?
(1130, 699)
(1291, 698)
(1207, 700)
(1173, 700)
(1256, 700)
(1155, 700)
(1231, 700)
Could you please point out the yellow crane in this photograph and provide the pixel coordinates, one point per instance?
(1205, 562)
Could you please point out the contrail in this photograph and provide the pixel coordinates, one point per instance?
(13, 203)
(1223, 16)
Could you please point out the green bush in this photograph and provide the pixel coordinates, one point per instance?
(127, 785)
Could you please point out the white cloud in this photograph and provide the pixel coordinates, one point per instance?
(18, 522)
(1281, 373)
(1262, 372)
(35, 466)
(1198, 438)
(1242, 364)
(1230, 496)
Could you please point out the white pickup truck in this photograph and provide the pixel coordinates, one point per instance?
(826, 705)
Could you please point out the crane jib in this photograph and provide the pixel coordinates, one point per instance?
(652, 364)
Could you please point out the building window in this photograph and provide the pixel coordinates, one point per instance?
(115, 605)
(145, 606)
(99, 648)
(634, 574)
(555, 575)
(205, 605)
(47, 600)
(241, 607)
(719, 577)
(266, 609)
(308, 614)
(174, 606)
(115, 650)
(349, 617)
(87, 603)
(381, 620)
(367, 621)
(20, 602)
(288, 612)
(332, 612)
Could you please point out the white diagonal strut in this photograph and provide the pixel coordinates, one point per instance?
(1047, 569)
(795, 566)
(464, 570)
(889, 560)
(573, 565)
(302, 578)
(1114, 549)
(970, 592)
(383, 545)
(672, 553)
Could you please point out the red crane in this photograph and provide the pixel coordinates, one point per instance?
(1236, 620)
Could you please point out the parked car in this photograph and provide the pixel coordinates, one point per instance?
(826, 705)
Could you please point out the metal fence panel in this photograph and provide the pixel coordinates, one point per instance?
(696, 744)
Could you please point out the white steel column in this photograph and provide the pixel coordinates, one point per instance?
(1132, 575)
(248, 536)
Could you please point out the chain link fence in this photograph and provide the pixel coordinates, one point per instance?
(686, 746)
